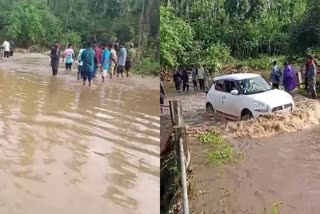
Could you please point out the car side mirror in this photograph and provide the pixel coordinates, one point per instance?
(235, 92)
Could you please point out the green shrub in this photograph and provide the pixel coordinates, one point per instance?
(221, 152)
(211, 138)
(217, 55)
(147, 67)
(315, 52)
(221, 155)
(261, 63)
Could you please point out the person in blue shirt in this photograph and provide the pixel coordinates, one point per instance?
(122, 60)
(105, 62)
(276, 75)
(87, 58)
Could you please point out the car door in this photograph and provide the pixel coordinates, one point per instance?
(217, 95)
(230, 102)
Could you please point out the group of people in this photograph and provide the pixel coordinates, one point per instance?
(199, 75)
(9, 48)
(93, 57)
(289, 77)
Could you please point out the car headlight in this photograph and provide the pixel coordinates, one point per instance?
(261, 107)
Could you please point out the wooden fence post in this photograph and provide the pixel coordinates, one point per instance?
(300, 79)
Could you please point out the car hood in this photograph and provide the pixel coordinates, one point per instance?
(273, 97)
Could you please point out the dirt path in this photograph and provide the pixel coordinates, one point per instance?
(281, 160)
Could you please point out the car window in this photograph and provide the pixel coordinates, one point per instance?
(219, 86)
(254, 85)
(230, 85)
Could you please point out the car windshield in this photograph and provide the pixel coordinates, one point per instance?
(254, 85)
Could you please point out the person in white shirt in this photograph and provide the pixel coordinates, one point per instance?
(201, 77)
(80, 63)
(6, 46)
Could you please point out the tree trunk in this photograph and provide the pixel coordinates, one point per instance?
(158, 46)
(140, 29)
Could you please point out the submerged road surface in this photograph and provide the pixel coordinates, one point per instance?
(67, 148)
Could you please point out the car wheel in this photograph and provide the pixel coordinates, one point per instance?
(209, 107)
(246, 115)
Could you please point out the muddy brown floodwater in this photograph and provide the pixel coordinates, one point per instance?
(66, 148)
(283, 168)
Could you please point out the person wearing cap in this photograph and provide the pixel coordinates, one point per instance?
(131, 58)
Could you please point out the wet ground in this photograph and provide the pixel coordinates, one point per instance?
(68, 148)
(283, 168)
(281, 162)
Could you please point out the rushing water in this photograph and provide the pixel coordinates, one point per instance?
(67, 148)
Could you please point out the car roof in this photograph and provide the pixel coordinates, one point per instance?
(239, 76)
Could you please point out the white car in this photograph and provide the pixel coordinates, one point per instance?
(240, 96)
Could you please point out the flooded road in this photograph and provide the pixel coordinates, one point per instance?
(67, 148)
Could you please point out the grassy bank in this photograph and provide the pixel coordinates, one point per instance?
(220, 152)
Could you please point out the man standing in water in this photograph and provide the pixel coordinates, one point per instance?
(12, 47)
(131, 58)
(114, 60)
(55, 57)
(97, 60)
(6, 47)
(311, 75)
(105, 62)
(276, 75)
(80, 63)
(68, 57)
(87, 58)
(289, 78)
(122, 60)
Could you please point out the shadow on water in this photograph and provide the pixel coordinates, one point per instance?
(70, 148)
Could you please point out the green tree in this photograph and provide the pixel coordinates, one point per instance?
(176, 39)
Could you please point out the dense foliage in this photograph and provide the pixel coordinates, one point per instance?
(41, 22)
(242, 29)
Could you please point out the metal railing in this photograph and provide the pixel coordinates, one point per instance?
(181, 146)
